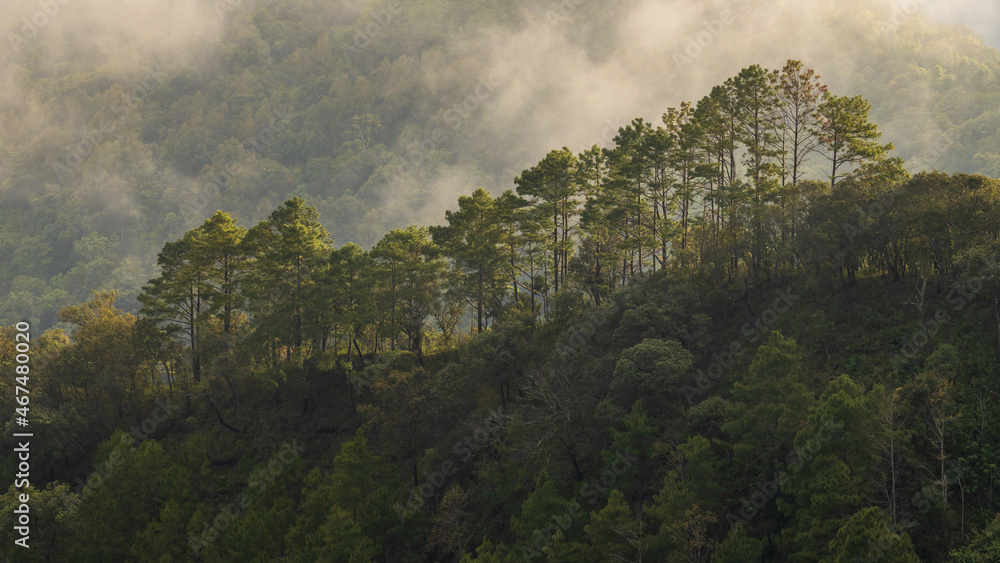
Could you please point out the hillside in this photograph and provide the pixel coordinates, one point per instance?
(741, 332)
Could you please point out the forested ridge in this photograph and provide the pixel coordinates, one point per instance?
(111, 148)
(744, 332)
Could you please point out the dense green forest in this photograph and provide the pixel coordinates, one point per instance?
(108, 150)
(743, 332)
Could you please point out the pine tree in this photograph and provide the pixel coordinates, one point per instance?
(473, 240)
(847, 134)
(287, 249)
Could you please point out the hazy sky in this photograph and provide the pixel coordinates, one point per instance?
(982, 16)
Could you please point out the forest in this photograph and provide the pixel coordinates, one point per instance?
(742, 332)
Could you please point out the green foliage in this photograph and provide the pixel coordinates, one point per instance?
(982, 547)
(768, 406)
(588, 398)
(614, 531)
(738, 547)
(652, 372)
(472, 239)
(867, 535)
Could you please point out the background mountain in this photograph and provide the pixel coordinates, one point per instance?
(381, 113)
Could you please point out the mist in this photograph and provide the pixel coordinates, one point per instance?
(566, 73)
(981, 16)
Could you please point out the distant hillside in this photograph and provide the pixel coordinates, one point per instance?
(381, 113)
